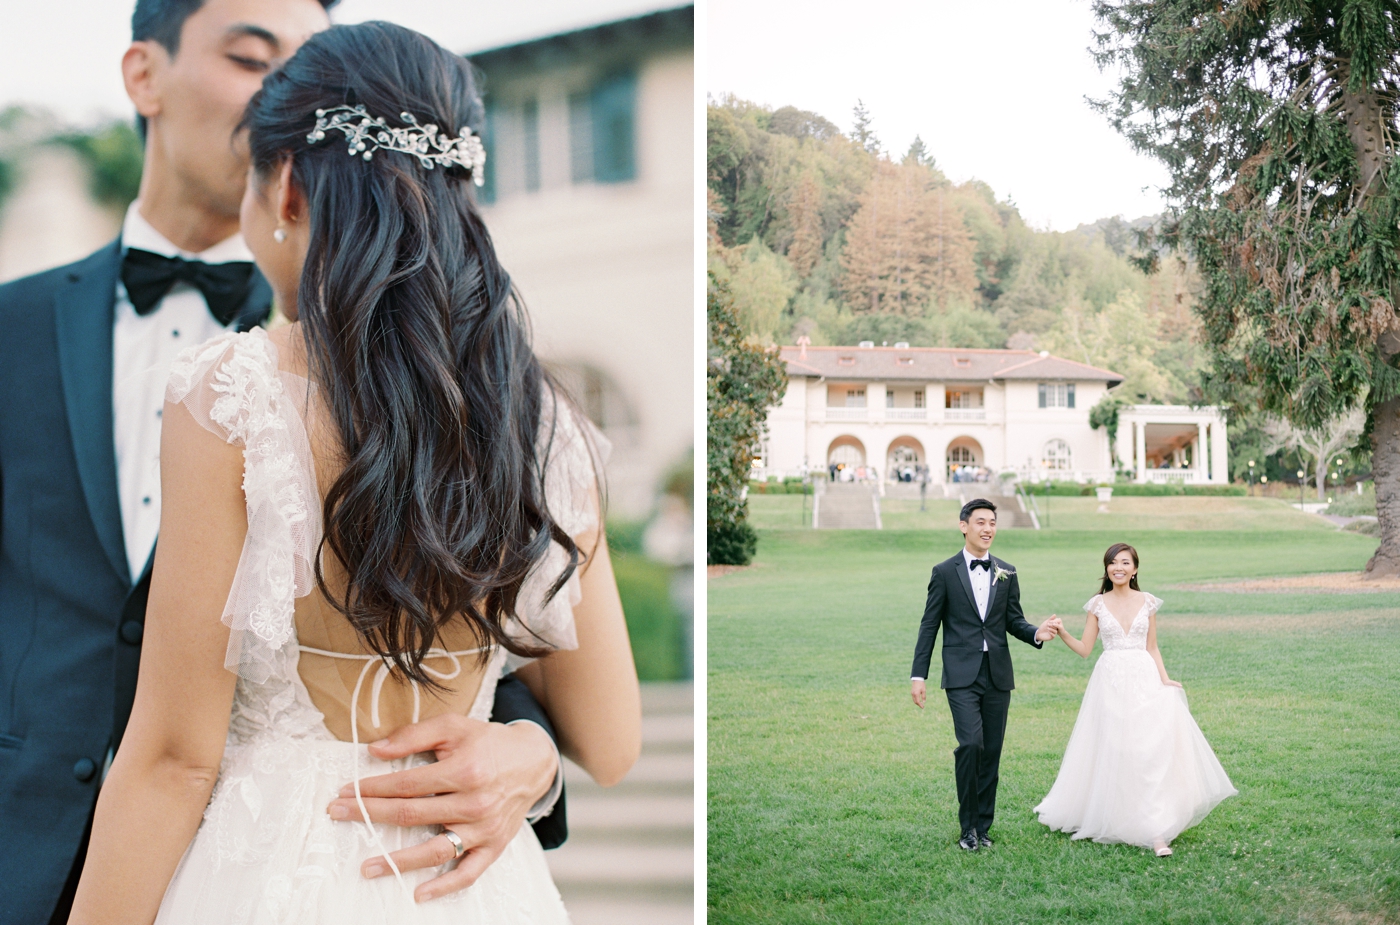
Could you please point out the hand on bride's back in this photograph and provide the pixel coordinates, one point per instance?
(483, 784)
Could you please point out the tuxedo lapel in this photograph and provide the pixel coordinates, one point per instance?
(83, 316)
(992, 587)
(959, 563)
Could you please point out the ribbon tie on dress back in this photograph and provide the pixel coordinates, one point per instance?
(386, 667)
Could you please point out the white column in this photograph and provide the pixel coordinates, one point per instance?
(1219, 450)
(1140, 450)
(875, 400)
(1198, 452)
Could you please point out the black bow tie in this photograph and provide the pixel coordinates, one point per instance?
(149, 277)
(974, 564)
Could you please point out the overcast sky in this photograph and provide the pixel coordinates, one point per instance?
(995, 88)
(66, 56)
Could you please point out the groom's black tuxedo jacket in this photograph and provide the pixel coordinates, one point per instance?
(952, 605)
(71, 614)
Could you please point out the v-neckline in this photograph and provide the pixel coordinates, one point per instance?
(1127, 630)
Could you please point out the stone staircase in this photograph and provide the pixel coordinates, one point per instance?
(848, 506)
(1009, 511)
(630, 857)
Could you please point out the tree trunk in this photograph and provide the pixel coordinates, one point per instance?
(1321, 477)
(1363, 117)
(1385, 466)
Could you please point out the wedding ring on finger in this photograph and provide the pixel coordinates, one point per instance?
(458, 848)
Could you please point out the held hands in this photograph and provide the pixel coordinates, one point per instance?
(1049, 629)
(486, 778)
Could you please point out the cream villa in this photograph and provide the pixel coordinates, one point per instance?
(885, 412)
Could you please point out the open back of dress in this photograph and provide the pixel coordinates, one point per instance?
(266, 851)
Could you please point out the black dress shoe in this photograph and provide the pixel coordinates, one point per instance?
(983, 841)
(969, 841)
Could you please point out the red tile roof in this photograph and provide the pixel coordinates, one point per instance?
(938, 364)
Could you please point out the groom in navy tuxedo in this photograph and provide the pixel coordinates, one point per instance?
(83, 360)
(976, 598)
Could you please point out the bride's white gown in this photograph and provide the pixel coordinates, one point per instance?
(1137, 767)
(267, 853)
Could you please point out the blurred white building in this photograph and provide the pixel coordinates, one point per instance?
(590, 198)
(887, 411)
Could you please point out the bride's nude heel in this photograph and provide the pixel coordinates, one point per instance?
(1161, 849)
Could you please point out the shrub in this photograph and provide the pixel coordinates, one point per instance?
(730, 543)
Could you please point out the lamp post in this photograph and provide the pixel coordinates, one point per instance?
(1301, 502)
(1251, 478)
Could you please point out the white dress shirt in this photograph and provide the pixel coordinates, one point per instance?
(981, 579)
(143, 349)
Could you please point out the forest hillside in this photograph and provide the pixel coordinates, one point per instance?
(824, 233)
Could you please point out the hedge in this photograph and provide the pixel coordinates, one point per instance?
(1121, 490)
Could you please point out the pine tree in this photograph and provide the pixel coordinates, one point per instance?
(906, 245)
(804, 212)
(861, 132)
(1276, 120)
(919, 154)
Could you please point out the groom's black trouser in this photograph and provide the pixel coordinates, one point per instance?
(979, 722)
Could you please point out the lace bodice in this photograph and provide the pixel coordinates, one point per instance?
(233, 386)
(1111, 631)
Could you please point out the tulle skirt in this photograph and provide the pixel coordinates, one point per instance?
(1137, 767)
(268, 854)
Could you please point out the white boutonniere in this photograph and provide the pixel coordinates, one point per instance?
(1001, 574)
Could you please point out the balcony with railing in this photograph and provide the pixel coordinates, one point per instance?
(1174, 476)
(847, 414)
(964, 414)
(906, 414)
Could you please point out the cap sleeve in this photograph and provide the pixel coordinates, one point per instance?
(232, 387)
(573, 453)
(1093, 604)
(1154, 603)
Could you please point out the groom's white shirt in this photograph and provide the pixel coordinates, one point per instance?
(143, 349)
(981, 579)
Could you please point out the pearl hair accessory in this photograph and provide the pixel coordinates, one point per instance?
(367, 134)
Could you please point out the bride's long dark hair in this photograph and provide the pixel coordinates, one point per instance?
(1107, 584)
(420, 346)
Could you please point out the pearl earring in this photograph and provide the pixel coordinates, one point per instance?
(279, 236)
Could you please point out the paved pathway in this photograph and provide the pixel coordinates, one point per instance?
(630, 857)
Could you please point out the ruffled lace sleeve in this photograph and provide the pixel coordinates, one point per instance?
(1093, 605)
(1154, 603)
(231, 385)
(573, 452)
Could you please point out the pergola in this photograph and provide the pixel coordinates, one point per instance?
(1174, 443)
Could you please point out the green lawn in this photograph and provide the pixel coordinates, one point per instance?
(831, 797)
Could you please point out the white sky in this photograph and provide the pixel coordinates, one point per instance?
(65, 56)
(995, 88)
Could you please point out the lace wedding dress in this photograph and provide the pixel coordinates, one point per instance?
(1137, 767)
(266, 852)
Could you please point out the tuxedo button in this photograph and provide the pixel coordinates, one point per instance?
(131, 632)
(85, 769)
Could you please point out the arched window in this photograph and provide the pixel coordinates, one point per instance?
(961, 456)
(1057, 455)
(846, 454)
